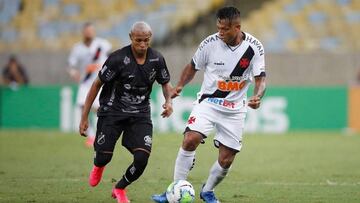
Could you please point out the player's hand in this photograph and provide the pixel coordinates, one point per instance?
(167, 109)
(92, 67)
(176, 91)
(84, 124)
(75, 75)
(254, 102)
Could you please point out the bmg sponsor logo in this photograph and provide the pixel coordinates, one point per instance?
(231, 85)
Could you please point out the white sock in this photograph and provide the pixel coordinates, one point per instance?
(217, 174)
(183, 164)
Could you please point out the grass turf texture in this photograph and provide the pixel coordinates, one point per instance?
(45, 166)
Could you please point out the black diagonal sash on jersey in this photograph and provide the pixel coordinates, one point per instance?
(238, 71)
(94, 59)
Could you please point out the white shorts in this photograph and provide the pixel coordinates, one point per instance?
(229, 126)
(82, 92)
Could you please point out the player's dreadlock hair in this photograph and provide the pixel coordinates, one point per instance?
(229, 13)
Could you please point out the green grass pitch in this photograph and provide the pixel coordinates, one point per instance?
(46, 166)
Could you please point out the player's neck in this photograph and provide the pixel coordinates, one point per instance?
(87, 41)
(139, 57)
(237, 40)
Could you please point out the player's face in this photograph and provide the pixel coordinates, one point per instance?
(89, 32)
(228, 31)
(140, 41)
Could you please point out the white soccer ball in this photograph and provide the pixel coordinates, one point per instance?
(180, 191)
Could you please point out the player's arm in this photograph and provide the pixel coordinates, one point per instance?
(259, 91)
(72, 68)
(186, 76)
(84, 123)
(167, 106)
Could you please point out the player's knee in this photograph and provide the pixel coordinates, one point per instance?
(101, 158)
(191, 141)
(141, 159)
(225, 162)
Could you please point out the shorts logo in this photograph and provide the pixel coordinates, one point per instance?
(191, 120)
(101, 139)
(148, 140)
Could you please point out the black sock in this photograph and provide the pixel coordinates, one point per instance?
(135, 170)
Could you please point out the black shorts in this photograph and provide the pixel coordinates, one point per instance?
(136, 133)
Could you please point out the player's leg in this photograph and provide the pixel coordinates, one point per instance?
(137, 139)
(91, 132)
(133, 172)
(229, 141)
(84, 88)
(107, 134)
(217, 173)
(185, 159)
(135, 169)
(199, 126)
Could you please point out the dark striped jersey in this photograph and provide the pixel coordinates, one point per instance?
(127, 85)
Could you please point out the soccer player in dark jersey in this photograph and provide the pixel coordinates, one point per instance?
(126, 79)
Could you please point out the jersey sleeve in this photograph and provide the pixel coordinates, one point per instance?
(162, 75)
(258, 63)
(200, 58)
(110, 69)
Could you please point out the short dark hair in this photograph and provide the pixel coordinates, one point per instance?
(229, 13)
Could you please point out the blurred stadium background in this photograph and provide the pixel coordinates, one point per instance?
(313, 66)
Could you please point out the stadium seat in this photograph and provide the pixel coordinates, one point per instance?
(283, 25)
(307, 24)
(9, 9)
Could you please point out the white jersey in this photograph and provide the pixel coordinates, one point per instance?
(81, 55)
(228, 71)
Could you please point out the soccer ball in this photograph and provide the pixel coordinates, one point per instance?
(180, 191)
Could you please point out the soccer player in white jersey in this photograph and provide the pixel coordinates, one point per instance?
(85, 60)
(231, 60)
